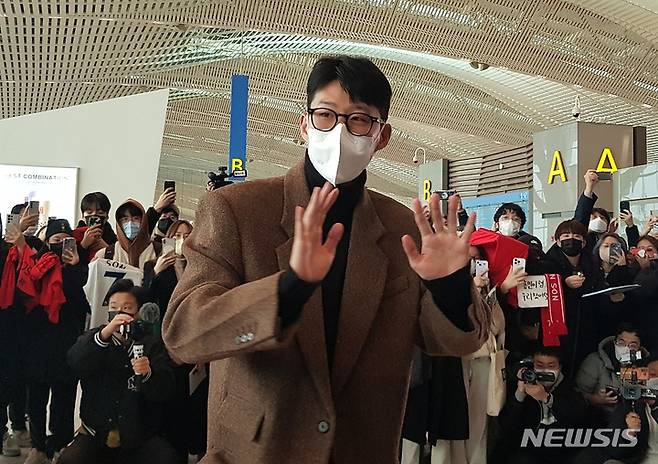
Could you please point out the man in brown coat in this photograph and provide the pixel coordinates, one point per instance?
(305, 301)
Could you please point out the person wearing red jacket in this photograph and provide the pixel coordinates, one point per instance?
(13, 388)
(52, 327)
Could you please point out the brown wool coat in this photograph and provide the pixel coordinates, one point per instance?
(272, 399)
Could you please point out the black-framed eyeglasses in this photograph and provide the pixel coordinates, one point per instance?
(359, 124)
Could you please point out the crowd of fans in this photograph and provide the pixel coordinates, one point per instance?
(461, 411)
(76, 308)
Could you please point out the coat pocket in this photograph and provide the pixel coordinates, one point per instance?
(242, 418)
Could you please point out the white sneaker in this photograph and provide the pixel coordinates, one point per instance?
(23, 438)
(10, 446)
(37, 457)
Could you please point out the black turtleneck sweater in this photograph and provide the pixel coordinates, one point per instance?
(451, 294)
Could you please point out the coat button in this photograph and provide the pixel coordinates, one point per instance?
(250, 337)
(323, 427)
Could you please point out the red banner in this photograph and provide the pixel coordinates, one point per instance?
(552, 318)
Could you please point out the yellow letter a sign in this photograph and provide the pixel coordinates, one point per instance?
(607, 155)
(557, 168)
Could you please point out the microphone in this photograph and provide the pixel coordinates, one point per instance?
(149, 313)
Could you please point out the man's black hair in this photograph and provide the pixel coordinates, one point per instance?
(553, 351)
(127, 286)
(18, 209)
(129, 208)
(512, 208)
(95, 199)
(628, 328)
(359, 77)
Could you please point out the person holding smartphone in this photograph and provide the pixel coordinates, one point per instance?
(164, 213)
(13, 394)
(52, 327)
(597, 220)
(646, 297)
(612, 270)
(94, 231)
(186, 407)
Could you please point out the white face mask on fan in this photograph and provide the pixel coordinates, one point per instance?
(338, 155)
(598, 225)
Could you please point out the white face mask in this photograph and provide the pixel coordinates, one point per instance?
(338, 155)
(509, 227)
(622, 353)
(598, 225)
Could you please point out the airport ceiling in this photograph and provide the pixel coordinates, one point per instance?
(540, 56)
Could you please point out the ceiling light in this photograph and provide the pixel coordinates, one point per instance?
(477, 65)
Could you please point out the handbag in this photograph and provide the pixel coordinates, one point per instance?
(497, 387)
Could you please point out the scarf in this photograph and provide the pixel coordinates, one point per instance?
(41, 281)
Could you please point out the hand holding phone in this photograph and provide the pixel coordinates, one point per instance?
(168, 245)
(69, 245)
(624, 206)
(518, 264)
(481, 267)
(33, 208)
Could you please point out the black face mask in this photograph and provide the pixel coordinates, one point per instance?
(164, 225)
(57, 248)
(95, 220)
(571, 247)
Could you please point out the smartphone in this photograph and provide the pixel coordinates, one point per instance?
(481, 267)
(68, 244)
(445, 194)
(604, 175)
(33, 208)
(518, 264)
(170, 184)
(168, 245)
(13, 219)
(624, 205)
(616, 251)
(179, 246)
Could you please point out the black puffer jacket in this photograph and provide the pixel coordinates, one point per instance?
(108, 401)
(579, 313)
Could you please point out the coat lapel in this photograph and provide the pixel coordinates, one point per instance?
(365, 279)
(310, 336)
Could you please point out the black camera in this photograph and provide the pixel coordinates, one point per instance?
(528, 373)
(631, 391)
(532, 376)
(219, 180)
